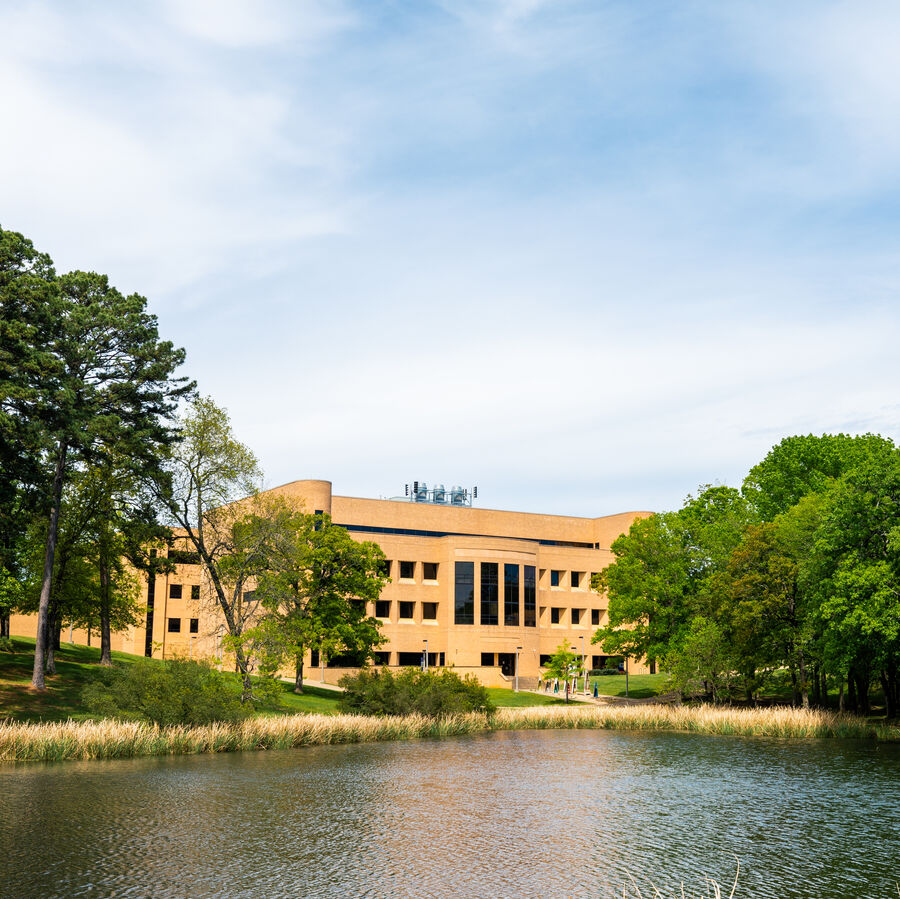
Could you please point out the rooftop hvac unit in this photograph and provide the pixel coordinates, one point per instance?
(457, 496)
(439, 495)
(422, 492)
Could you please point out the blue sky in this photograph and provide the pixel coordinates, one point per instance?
(585, 255)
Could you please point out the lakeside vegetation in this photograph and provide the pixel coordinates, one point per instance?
(78, 665)
(111, 739)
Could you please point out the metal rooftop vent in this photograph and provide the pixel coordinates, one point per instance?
(418, 492)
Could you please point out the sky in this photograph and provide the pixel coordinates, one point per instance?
(585, 255)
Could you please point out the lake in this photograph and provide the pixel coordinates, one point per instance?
(518, 814)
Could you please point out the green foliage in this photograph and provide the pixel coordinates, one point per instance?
(316, 589)
(6, 645)
(166, 693)
(701, 665)
(435, 693)
(563, 664)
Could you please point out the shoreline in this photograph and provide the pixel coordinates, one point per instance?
(114, 739)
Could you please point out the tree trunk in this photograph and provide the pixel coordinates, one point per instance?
(852, 700)
(37, 675)
(653, 666)
(105, 650)
(862, 691)
(4, 623)
(841, 708)
(816, 696)
(49, 642)
(804, 686)
(795, 701)
(298, 679)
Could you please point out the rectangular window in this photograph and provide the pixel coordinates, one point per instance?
(511, 595)
(576, 579)
(383, 608)
(382, 658)
(487, 659)
(384, 567)
(174, 591)
(429, 611)
(489, 592)
(195, 625)
(576, 616)
(597, 662)
(545, 660)
(410, 659)
(314, 658)
(554, 577)
(407, 609)
(595, 617)
(555, 615)
(529, 597)
(429, 571)
(594, 580)
(407, 571)
(195, 591)
(174, 625)
(464, 596)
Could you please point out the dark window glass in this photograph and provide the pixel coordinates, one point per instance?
(429, 611)
(429, 571)
(529, 600)
(545, 660)
(174, 591)
(554, 615)
(554, 578)
(195, 591)
(174, 625)
(576, 579)
(383, 658)
(576, 616)
(511, 595)
(595, 617)
(383, 608)
(487, 659)
(410, 659)
(464, 596)
(407, 609)
(195, 625)
(314, 658)
(489, 592)
(597, 661)
(384, 567)
(408, 570)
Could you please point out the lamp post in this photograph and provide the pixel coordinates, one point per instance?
(518, 650)
(425, 668)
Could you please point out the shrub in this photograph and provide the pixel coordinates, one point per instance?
(166, 693)
(412, 691)
(6, 645)
(603, 672)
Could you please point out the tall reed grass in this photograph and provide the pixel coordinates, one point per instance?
(112, 739)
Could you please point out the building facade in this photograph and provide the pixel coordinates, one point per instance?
(483, 591)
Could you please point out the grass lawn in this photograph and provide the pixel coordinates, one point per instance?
(506, 699)
(640, 686)
(76, 664)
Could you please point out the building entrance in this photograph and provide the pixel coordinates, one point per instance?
(507, 663)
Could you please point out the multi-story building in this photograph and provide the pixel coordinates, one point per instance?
(481, 590)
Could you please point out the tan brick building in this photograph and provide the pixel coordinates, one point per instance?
(479, 588)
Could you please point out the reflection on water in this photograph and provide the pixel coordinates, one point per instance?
(542, 813)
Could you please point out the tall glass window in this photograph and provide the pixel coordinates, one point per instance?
(529, 597)
(465, 593)
(489, 592)
(511, 595)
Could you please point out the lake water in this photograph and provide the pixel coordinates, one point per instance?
(525, 814)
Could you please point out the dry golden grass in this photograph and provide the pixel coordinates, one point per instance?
(117, 739)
